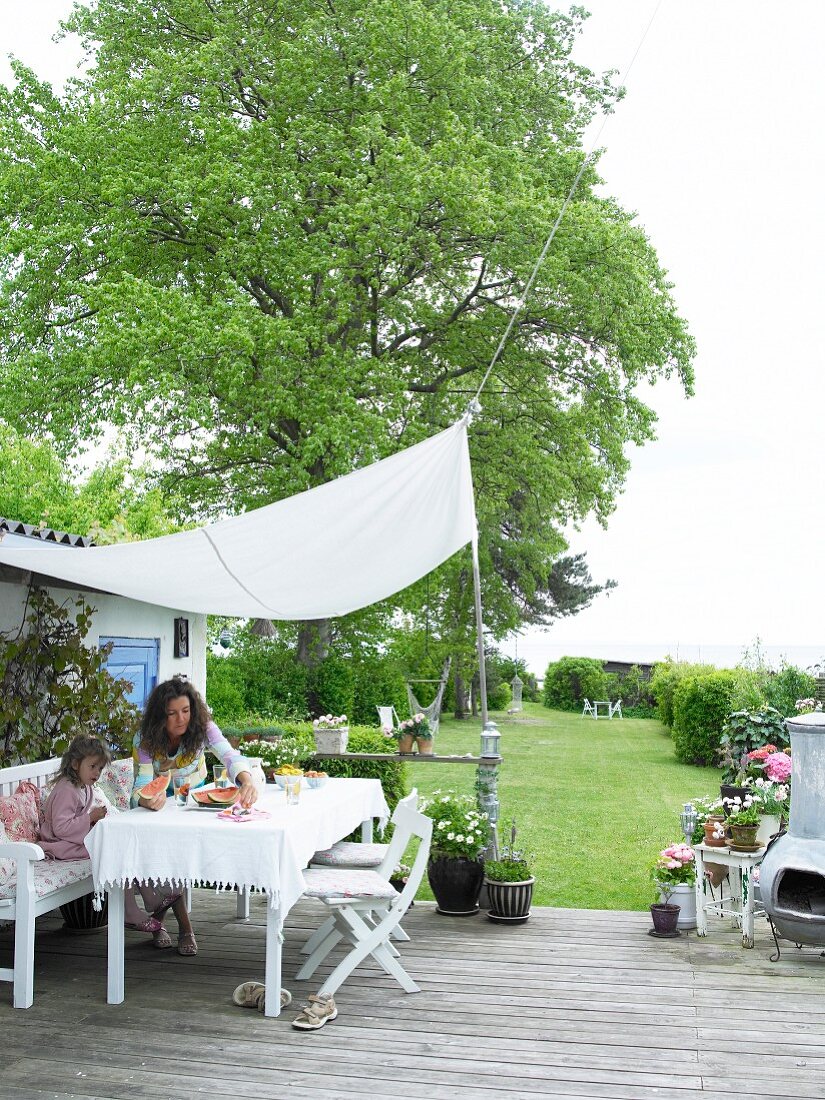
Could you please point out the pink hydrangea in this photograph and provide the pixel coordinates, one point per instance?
(778, 767)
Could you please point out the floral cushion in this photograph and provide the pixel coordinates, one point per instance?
(8, 868)
(21, 812)
(323, 882)
(51, 874)
(347, 853)
(116, 782)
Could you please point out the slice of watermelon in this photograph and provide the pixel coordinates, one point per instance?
(223, 796)
(202, 797)
(156, 786)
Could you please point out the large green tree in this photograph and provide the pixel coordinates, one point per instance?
(273, 241)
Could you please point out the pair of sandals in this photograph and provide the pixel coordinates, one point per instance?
(187, 944)
(312, 1016)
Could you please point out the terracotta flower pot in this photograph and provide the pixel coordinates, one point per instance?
(405, 743)
(744, 836)
(424, 745)
(710, 839)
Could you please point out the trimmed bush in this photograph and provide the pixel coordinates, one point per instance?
(700, 706)
(786, 686)
(570, 680)
(667, 675)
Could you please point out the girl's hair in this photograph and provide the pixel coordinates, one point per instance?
(153, 737)
(80, 747)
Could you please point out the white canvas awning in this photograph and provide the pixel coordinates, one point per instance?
(321, 553)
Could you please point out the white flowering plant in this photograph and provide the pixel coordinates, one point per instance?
(460, 831)
(274, 754)
(329, 722)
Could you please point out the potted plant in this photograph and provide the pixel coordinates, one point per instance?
(509, 880)
(331, 733)
(743, 822)
(674, 874)
(455, 869)
(416, 729)
(402, 736)
(744, 733)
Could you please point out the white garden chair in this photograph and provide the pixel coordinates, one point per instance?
(588, 709)
(366, 909)
(388, 718)
(351, 856)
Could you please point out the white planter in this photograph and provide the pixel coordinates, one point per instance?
(768, 825)
(332, 740)
(685, 897)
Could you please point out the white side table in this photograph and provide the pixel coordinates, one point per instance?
(740, 905)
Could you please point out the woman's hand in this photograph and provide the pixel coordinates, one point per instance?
(249, 792)
(156, 802)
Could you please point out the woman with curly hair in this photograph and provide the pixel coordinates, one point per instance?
(175, 734)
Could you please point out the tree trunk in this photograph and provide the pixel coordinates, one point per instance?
(460, 707)
(313, 642)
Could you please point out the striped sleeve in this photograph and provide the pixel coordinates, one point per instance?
(144, 768)
(217, 744)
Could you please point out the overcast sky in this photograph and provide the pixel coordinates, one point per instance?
(718, 148)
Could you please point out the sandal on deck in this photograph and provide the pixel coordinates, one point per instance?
(166, 902)
(151, 924)
(161, 939)
(187, 944)
(253, 995)
(316, 1013)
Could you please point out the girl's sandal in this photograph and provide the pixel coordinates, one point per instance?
(162, 939)
(187, 944)
(151, 924)
(253, 995)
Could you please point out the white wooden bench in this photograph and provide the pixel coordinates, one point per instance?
(41, 885)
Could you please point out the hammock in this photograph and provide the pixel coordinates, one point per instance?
(433, 711)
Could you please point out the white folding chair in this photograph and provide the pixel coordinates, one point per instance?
(350, 855)
(366, 908)
(388, 717)
(588, 709)
(616, 708)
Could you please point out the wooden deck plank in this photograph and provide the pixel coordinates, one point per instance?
(573, 1004)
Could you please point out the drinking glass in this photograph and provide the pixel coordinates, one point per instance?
(180, 784)
(293, 790)
(219, 776)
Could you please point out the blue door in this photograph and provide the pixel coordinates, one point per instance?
(136, 661)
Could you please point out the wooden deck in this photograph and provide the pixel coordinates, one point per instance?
(573, 1004)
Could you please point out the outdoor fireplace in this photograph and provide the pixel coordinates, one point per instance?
(792, 874)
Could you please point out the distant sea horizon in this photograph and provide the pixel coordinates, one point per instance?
(539, 653)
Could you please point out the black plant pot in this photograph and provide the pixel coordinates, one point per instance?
(665, 919)
(81, 918)
(456, 884)
(727, 790)
(510, 901)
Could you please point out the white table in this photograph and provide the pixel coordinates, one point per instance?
(740, 905)
(185, 846)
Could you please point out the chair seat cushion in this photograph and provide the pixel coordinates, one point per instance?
(51, 874)
(116, 782)
(323, 882)
(347, 853)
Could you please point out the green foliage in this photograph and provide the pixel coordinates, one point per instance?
(500, 697)
(783, 688)
(512, 865)
(634, 689)
(701, 704)
(459, 830)
(260, 676)
(225, 693)
(663, 683)
(378, 682)
(332, 687)
(293, 238)
(55, 687)
(745, 731)
(571, 680)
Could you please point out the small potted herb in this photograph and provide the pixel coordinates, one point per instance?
(509, 880)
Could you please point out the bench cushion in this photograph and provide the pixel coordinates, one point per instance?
(116, 781)
(8, 868)
(21, 812)
(51, 874)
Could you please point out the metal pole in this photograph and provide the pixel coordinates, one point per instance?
(482, 671)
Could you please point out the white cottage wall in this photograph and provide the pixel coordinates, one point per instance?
(116, 616)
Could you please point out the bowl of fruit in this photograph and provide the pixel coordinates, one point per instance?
(316, 779)
(285, 772)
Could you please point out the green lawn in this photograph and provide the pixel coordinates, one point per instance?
(594, 800)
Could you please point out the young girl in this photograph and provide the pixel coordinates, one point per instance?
(69, 814)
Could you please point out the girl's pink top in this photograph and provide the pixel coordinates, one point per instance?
(66, 821)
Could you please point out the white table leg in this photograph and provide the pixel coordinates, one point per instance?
(272, 967)
(116, 945)
(701, 894)
(366, 831)
(242, 910)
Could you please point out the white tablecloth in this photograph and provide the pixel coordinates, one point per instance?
(186, 846)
